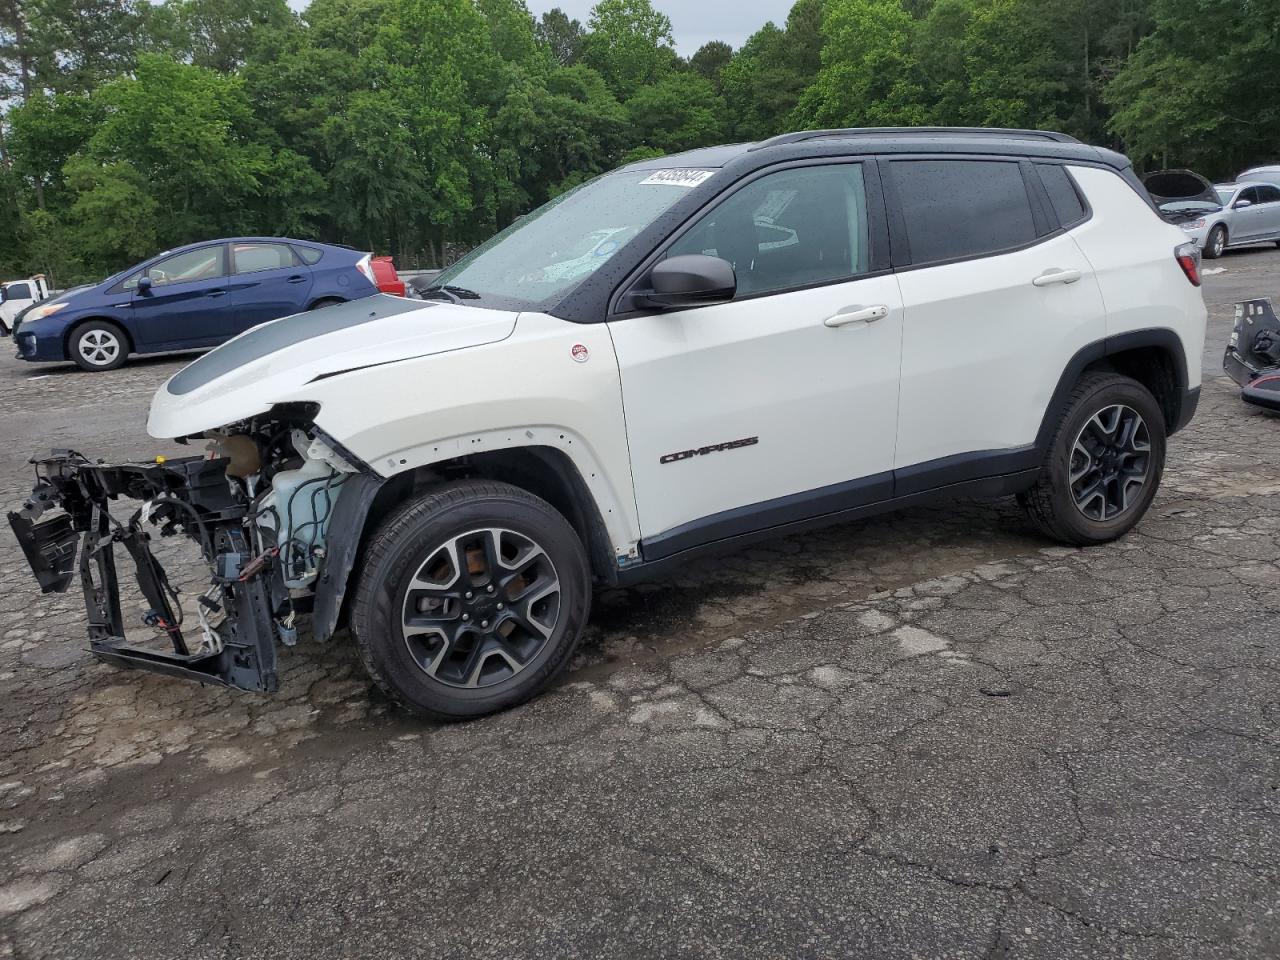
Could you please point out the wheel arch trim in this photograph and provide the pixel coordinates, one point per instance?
(601, 518)
(609, 494)
(1164, 339)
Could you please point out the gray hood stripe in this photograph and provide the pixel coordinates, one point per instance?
(271, 337)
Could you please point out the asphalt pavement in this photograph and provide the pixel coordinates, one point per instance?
(929, 735)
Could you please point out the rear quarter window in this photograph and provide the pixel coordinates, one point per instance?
(956, 209)
(308, 255)
(1063, 195)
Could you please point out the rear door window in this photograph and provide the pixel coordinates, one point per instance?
(1063, 196)
(256, 257)
(956, 209)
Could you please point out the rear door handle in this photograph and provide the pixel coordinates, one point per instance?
(215, 293)
(1056, 276)
(297, 279)
(857, 315)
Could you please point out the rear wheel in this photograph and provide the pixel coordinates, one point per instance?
(1215, 243)
(1104, 464)
(98, 345)
(472, 600)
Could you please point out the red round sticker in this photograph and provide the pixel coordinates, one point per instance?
(579, 353)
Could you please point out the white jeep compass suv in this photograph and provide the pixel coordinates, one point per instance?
(686, 353)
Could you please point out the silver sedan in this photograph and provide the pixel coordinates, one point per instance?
(1245, 213)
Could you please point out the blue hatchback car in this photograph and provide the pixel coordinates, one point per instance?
(195, 296)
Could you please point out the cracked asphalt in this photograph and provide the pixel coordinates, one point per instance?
(931, 735)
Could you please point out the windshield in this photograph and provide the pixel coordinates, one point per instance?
(1225, 194)
(544, 254)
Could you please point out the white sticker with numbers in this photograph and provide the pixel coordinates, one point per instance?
(678, 178)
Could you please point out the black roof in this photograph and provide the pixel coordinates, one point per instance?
(888, 140)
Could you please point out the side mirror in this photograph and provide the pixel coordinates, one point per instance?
(691, 280)
(1241, 204)
(144, 284)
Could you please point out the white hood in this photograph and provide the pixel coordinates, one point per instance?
(274, 363)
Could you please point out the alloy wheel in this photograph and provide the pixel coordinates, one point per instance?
(481, 608)
(99, 347)
(1110, 462)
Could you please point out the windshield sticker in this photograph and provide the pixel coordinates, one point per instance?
(677, 178)
(606, 248)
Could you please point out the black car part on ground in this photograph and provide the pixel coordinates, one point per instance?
(242, 614)
(1252, 358)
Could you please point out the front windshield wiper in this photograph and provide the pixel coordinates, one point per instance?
(450, 292)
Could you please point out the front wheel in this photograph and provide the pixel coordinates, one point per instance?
(1215, 243)
(472, 600)
(97, 346)
(1104, 463)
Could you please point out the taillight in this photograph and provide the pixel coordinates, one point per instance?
(1188, 257)
(365, 267)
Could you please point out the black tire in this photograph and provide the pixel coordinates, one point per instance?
(1052, 502)
(437, 525)
(1215, 242)
(98, 346)
(326, 302)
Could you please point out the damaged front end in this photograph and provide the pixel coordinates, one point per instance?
(1252, 357)
(259, 505)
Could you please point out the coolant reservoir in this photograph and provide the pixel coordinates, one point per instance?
(298, 509)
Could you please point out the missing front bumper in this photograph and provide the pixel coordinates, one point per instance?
(239, 616)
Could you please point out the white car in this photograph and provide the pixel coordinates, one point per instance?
(16, 296)
(961, 313)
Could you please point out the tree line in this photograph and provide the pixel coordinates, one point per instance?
(416, 127)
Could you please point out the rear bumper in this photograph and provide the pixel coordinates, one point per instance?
(238, 619)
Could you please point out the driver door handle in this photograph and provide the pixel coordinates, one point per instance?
(858, 314)
(1056, 276)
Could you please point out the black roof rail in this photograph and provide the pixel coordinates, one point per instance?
(999, 132)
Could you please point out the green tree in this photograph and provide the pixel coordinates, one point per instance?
(113, 217)
(78, 45)
(869, 75)
(561, 35)
(1202, 89)
(679, 112)
(188, 131)
(710, 59)
(511, 29)
(218, 34)
(630, 44)
(46, 131)
(764, 81)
